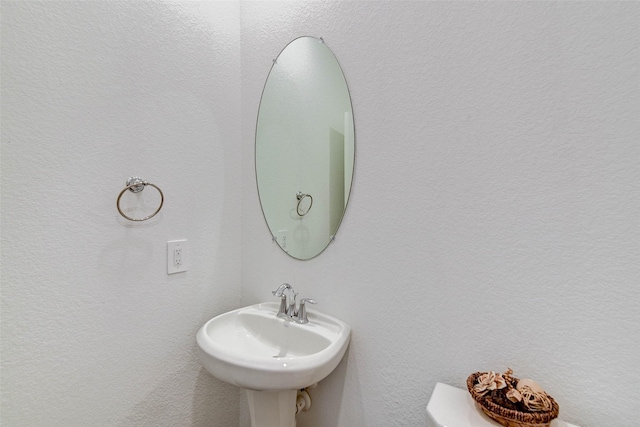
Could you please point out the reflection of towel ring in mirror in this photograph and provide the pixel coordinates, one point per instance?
(136, 184)
(301, 196)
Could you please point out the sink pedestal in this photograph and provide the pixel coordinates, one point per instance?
(272, 408)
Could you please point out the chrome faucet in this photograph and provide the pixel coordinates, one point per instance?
(288, 309)
(287, 300)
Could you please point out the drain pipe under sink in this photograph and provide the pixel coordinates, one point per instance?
(303, 400)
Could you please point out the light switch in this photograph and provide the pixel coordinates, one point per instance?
(282, 239)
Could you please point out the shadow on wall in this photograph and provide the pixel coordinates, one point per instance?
(214, 403)
(326, 400)
(212, 399)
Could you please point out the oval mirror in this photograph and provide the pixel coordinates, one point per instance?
(305, 146)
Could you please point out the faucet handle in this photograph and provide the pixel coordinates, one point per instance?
(302, 310)
(280, 291)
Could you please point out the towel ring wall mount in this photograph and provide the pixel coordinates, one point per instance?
(135, 184)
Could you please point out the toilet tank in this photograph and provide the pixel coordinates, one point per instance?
(454, 407)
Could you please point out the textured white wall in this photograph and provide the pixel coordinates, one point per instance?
(94, 331)
(493, 220)
(494, 217)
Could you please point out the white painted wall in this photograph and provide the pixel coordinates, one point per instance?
(94, 331)
(493, 221)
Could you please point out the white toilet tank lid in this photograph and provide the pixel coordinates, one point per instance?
(454, 407)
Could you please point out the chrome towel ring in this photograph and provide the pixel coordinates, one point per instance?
(301, 196)
(135, 184)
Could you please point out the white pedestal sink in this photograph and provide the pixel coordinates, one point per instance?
(271, 357)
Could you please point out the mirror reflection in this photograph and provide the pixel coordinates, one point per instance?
(304, 148)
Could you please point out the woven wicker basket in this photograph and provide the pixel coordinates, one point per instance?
(511, 417)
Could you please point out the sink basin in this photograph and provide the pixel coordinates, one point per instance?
(252, 348)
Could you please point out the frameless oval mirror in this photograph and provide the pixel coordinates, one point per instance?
(305, 146)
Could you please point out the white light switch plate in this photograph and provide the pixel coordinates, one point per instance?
(177, 260)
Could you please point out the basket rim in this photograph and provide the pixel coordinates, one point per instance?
(514, 414)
